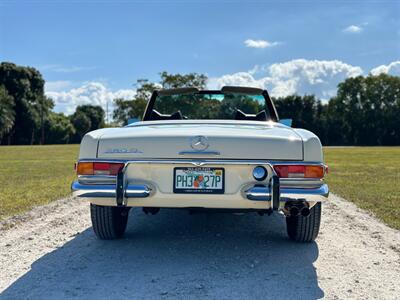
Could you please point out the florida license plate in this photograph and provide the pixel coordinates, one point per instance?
(199, 180)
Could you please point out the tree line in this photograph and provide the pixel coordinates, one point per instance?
(365, 111)
(26, 115)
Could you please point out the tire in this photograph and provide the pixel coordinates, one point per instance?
(109, 222)
(304, 229)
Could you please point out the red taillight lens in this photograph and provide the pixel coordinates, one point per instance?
(107, 168)
(98, 168)
(299, 171)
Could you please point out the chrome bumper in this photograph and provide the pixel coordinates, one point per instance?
(108, 191)
(272, 195)
(263, 193)
(255, 193)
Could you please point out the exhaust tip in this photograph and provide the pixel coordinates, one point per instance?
(294, 211)
(305, 211)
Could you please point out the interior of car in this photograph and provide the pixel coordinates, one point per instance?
(239, 115)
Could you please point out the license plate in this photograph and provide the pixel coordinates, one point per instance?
(199, 180)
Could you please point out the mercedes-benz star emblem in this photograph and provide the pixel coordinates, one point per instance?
(199, 142)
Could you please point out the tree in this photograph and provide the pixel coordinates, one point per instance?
(86, 118)
(82, 125)
(94, 113)
(306, 112)
(232, 102)
(7, 114)
(366, 111)
(58, 129)
(173, 81)
(44, 112)
(127, 109)
(26, 86)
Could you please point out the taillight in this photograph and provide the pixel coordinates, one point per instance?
(98, 168)
(299, 171)
(84, 168)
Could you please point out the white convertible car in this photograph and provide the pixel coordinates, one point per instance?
(222, 150)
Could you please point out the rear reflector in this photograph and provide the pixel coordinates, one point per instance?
(299, 171)
(98, 168)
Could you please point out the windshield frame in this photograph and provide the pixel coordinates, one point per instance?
(150, 104)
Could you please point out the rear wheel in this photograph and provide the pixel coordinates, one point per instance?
(305, 229)
(109, 222)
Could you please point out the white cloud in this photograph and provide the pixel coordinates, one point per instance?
(94, 93)
(301, 76)
(236, 79)
(56, 86)
(392, 69)
(259, 43)
(353, 29)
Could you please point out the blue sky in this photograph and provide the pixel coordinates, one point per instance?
(90, 51)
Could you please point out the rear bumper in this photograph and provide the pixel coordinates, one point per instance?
(317, 194)
(149, 184)
(255, 197)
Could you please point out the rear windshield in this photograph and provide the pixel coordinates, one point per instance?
(212, 105)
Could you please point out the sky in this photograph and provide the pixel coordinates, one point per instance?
(90, 52)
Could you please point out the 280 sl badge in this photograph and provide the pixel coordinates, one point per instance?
(122, 150)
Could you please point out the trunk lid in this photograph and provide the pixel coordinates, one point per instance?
(173, 140)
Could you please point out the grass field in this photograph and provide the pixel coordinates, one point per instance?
(368, 176)
(34, 175)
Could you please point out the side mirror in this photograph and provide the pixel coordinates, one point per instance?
(287, 122)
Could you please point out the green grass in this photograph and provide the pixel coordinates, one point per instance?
(368, 176)
(34, 175)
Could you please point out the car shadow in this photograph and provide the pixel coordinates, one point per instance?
(177, 255)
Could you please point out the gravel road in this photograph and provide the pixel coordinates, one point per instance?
(52, 253)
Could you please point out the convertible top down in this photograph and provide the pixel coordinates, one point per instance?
(223, 150)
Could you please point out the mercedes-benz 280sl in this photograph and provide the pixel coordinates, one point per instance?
(204, 149)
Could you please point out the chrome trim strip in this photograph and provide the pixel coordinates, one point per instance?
(300, 183)
(195, 152)
(203, 161)
(296, 180)
(97, 179)
(108, 191)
